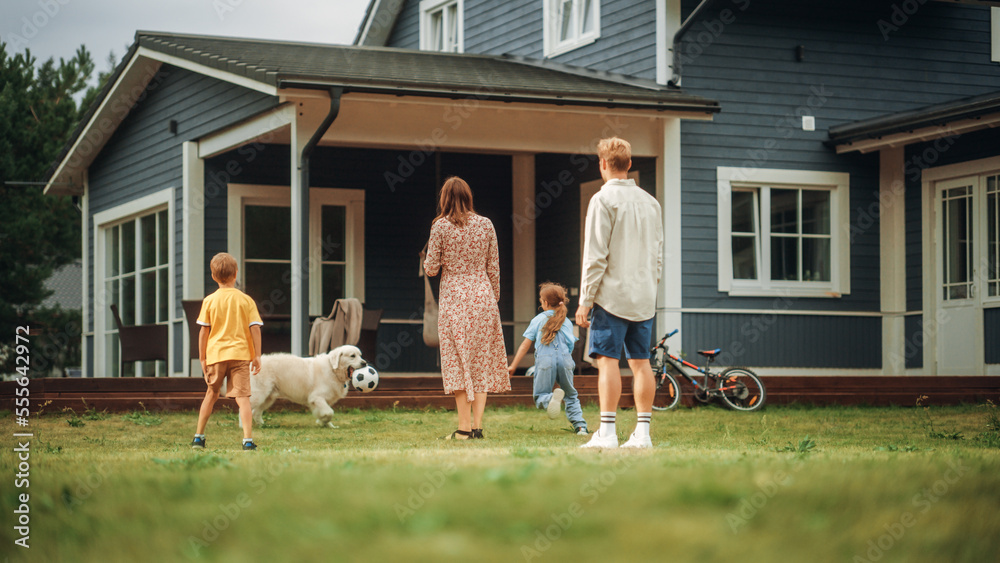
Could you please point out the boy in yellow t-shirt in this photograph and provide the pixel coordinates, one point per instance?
(228, 347)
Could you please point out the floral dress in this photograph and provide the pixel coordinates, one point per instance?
(473, 355)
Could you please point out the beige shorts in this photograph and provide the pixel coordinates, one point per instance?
(238, 372)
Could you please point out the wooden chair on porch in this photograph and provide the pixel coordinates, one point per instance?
(192, 307)
(140, 342)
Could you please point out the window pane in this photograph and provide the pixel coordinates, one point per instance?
(333, 285)
(113, 252)
(128, 300)
(816, 259)
(111, 288)
(163, 244)
(112, 360)
(588, 16)
(816, 212)
(163, 289)
(147, 236)
(267, 232)
(784, 258)
(452, 11)
(744, 258)
(128, 247)
(784, 216)
(437, 31)
(334, 227)
(270, 286)
(147, 304)
(992, 234)
(566, 20)
(957, 244)
(743, 216)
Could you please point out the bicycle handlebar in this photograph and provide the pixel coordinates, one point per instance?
(666, 336)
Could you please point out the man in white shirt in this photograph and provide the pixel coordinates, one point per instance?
(622, 264)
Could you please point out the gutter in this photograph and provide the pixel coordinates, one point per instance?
(675, 80)
(301, 239)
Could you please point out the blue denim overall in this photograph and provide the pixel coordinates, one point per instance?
(554, 364)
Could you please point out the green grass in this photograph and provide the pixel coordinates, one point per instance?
(787, 484)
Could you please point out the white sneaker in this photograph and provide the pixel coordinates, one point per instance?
(598, 441)
(555, 404)
(581, 431)
(637, 442)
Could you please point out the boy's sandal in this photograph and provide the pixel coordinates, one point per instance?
(477, 432)
(467, 433)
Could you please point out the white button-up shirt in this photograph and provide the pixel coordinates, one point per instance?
(622, 251)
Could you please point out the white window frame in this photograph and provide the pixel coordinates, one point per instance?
(241, 195)
(153, 203)
(995, 35)
(838, 183)
(551, 23)
(428, 9)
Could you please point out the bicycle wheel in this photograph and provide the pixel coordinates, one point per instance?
(668, 392)
(740, 389)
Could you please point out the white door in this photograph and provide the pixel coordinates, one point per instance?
(960, 253)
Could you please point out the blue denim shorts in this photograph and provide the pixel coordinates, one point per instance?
(609, 333)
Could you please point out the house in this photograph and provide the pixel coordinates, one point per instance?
(838, 216)
(317, 167)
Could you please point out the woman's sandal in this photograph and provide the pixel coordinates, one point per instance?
(477, 432)
(467, 433)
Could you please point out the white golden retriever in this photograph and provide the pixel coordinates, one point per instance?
(317, 381)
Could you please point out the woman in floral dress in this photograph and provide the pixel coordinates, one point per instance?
(463, 248)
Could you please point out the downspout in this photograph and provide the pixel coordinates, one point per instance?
(301, 239)
(675, 80)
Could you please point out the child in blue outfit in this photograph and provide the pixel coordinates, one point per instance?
(553, 336)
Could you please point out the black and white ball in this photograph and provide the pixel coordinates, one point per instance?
(365, 379)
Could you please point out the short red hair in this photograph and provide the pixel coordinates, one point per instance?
(616, 152)
(223, 267)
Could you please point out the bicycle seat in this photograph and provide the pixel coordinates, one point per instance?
(710, 354)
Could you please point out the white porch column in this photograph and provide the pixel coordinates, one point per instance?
(892, 252)
(523, 191)
(668, 192)
(193, 229)
(301, 133)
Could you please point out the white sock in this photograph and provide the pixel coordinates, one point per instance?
(202, 436)
(247, 440)
(607, 423)
(642, 424)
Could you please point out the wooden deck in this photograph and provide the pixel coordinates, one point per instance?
(185, 394)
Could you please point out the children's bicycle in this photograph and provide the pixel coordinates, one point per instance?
(736, 387)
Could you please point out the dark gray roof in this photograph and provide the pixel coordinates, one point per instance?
(929, 116)
(286, 64)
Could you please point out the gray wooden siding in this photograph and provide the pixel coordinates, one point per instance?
(143, 157)
(627, 44)
(397, 221)
(784, 340)
(991, 335)
(849, 72)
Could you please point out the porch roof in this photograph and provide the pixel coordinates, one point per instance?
(284, 64)
(918, 125)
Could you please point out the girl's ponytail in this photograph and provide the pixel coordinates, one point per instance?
(553, 295)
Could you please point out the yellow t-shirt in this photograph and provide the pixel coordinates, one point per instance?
(229, 313)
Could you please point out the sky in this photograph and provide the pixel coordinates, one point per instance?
(56, 28)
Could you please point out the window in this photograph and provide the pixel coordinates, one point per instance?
(993, 236)
(133, 268)
(441, 26)
(260, 217)
(778, 235)
(570, 24)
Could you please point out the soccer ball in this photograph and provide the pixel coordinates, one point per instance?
(365, 379)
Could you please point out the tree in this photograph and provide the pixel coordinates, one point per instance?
(38, 233)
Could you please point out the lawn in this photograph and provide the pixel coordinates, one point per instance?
(786, 484)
